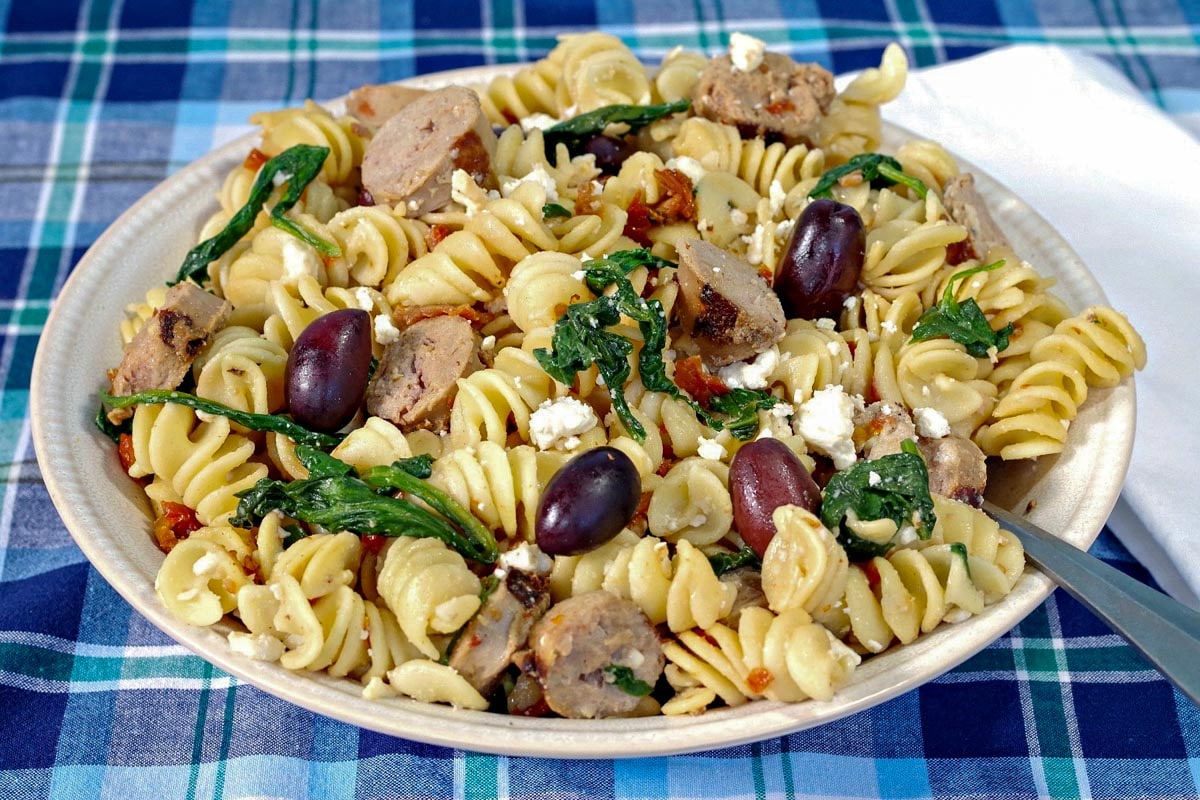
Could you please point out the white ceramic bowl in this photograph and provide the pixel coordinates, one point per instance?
(109, 517)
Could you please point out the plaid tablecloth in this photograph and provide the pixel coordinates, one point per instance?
(101, 101)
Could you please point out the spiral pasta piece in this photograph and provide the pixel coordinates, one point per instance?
(692, 503)
(598, 70)
(501, 486)
(429, 588)
(204, 462)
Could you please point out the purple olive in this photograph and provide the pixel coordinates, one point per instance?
(328, 368)
(763, 476)
(820, 267)
(610, 152)
(587, 502)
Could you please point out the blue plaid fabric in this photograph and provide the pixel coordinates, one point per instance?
(100, 101)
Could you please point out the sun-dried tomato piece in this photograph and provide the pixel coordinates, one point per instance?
(693, 378)
(255, 159)
(125, 451)
(437, 233)
(637, 223)
(678, 201)
(174, 524)
(759, 679)
(404, 316)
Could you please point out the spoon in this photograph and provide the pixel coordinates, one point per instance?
(1164, 631)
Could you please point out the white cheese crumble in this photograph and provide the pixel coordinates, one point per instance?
(386, 331)
(826, 324)
(465, 191)
(776, 195)
(738, 217)
(873, 478)
(709, 448)
(537, 176)
(558, 423)
(525, 557)
(931, 423)
(888, 326)
(826, 422)
(299, 261)
(257, 646)
(751, 374)
(537, 121)
(362, 296)
(488, 344)
(688, 166)
(756, 244)
(746, 52)
(206, 565)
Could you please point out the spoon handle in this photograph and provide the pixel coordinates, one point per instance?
(1164, 631)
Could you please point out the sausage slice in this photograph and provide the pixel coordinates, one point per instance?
(375, 104)
(500, 628)
(576, 642)
(778, 98)
(966, 207)
(726, 305)
(162, 351)
(412, 158)
(416, 379)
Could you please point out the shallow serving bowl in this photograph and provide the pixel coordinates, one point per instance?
(108, 515)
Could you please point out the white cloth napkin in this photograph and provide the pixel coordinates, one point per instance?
(1121, 181)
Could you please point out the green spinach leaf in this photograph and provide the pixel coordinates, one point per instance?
(963, 322)
(576, 131)
(624, 679)
(894, 487)
(552, 210)
(298, 165)
(255, 422)
(877, 169)
(726, 562)
(337, 498)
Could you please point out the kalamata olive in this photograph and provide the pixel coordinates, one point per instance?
(610, 152)
(328, 368)
(763, 476)
(820, 267)
(587, 502)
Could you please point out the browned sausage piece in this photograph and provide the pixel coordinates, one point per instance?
(375, 104)
(578, 639)
(412, 158)
(966, 207)
(501, 627)
(725, 304)
(779, 97)
(159, 355)
(881, 427)
(957, 467)
(416, 377)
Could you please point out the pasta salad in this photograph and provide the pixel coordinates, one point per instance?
(598, 389)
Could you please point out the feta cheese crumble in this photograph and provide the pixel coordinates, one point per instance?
(746, 52)
(688, 166)
(931, 423)
(826, 422)
(710, 449)
(525, 557)
(537, 121)
(299, 261)
(557, 424)
(256, 646)
(537, 176)
(386, 331)
(751, 374)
